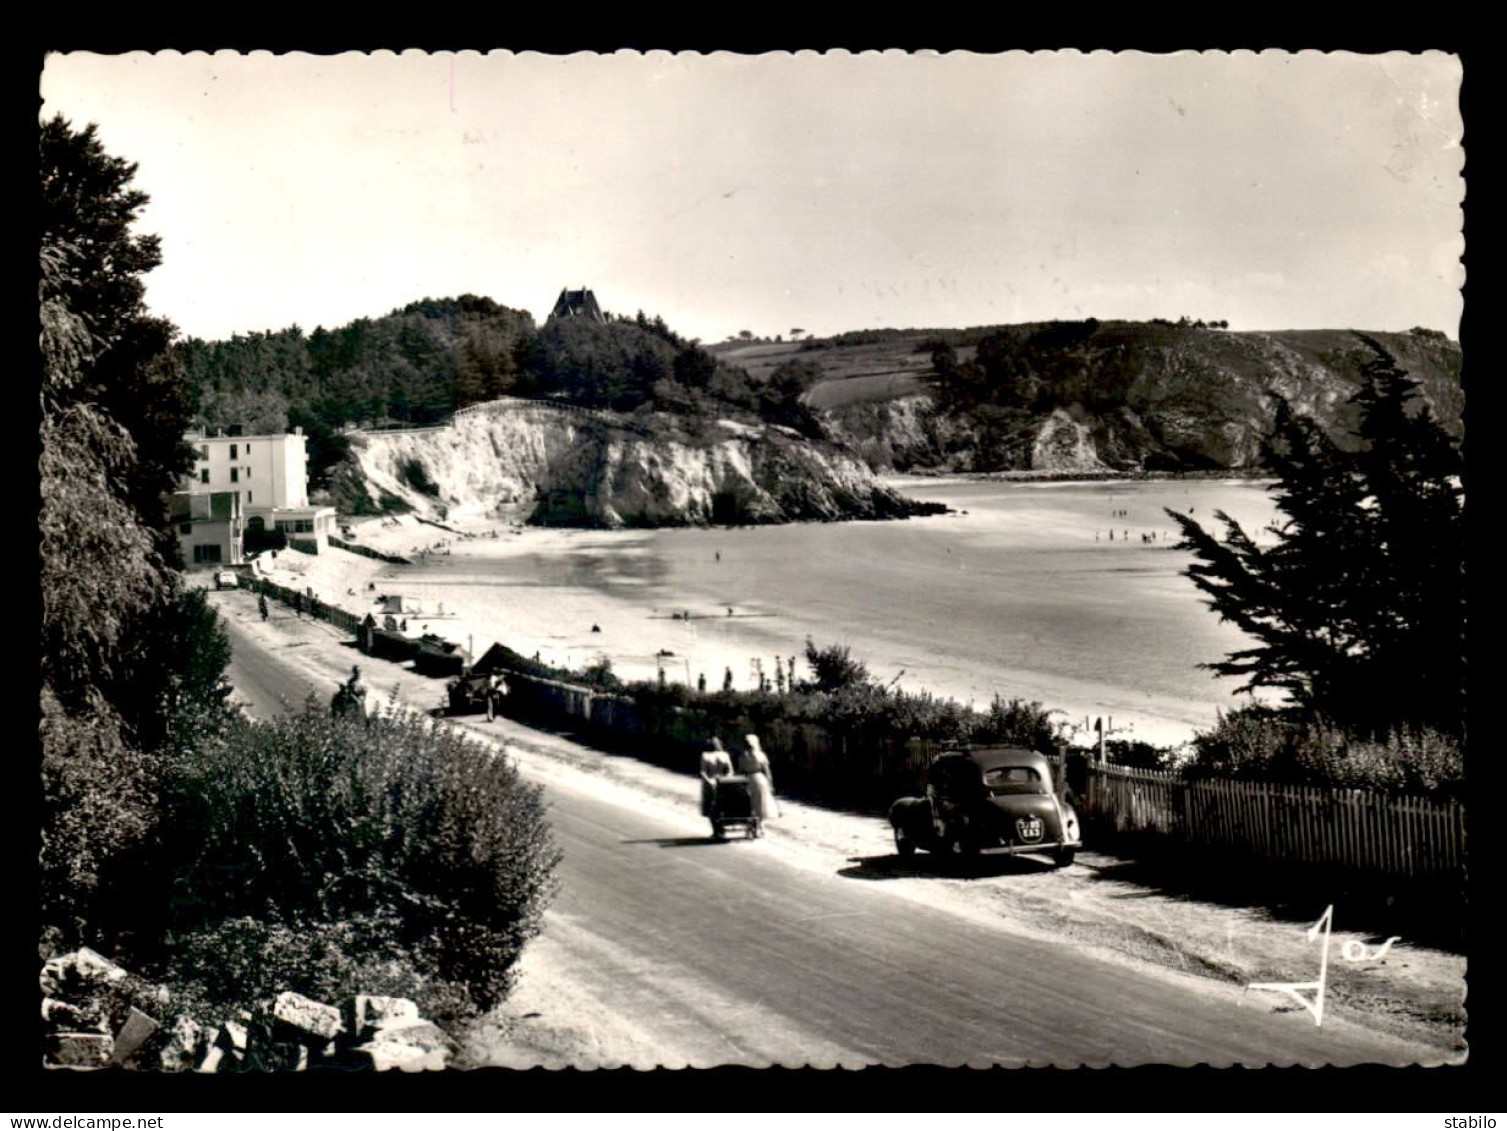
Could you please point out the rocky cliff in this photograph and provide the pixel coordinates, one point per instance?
(1135, 396)
(577, 467)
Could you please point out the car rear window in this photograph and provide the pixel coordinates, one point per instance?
(1014, 779)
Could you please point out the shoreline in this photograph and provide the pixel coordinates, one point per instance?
(1082, 476)
(571, 596)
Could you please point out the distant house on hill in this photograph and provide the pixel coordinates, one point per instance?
(577, 304)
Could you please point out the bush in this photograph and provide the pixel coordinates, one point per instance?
(392, 845)
(835, 667)
(99, 806)
(231, 964)
(599, 674)
(1018, 723)
(1264, 744)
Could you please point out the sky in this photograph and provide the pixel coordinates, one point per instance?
(778, 192)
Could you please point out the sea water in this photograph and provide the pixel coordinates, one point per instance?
(1071, 594)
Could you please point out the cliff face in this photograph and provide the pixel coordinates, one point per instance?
(582, 468)
(1147, 397)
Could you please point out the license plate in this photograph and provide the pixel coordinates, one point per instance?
(1029, 828)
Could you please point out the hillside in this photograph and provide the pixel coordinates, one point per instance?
(562, 465)
(611, 420)
(1090, 396)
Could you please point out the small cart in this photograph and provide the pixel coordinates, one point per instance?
(732, 807)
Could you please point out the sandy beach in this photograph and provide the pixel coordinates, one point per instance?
(1020, 592)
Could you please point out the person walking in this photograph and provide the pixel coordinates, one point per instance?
(715, 763)
(497, 687)
(356, 690)
(755, 766)
(298, 605)
(261, 604)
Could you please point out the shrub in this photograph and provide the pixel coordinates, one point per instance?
(599, 674)
(1018, 723)
(232, 963)
(393, 844)
(834, 666)
(99, 805)
(1270, 745)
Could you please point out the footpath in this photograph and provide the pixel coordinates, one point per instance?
(1410, 991)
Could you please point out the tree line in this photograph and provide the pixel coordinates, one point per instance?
(220, 858)
(422, 362)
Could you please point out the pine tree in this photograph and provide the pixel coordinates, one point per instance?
(1357, 611)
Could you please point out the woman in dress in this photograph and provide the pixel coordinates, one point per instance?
(755, 766)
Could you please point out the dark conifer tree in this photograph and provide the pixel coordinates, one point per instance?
(1357, 610)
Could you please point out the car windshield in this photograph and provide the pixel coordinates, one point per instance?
(1014, 779)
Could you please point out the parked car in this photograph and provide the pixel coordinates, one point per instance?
(992, 799)
(226, 579)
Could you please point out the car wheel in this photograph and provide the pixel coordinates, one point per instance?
(904, 845)
(1065, 856)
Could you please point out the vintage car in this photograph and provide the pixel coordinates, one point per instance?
(988, 799)
(226, 579)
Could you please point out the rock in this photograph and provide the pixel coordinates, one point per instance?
(307, 1016)
(233, 1038)
(412, 1046)
(212, 1059)
(92, 966)
(65, 1015)
(133, 1034)
(369, 1012)
(185, 1038)
(78, 1050)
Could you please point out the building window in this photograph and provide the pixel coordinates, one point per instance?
(203, 451)
(235, 474)
(248, 498)
(232, 451)
(206, 553)
(185, 528)
(203, 475)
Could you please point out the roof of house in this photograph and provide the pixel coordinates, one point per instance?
(577, 304)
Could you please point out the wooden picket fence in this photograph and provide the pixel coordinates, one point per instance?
(1377, 833)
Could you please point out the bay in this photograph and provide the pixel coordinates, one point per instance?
(1067, 593)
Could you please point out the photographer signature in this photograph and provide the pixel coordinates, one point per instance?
(1352, 951)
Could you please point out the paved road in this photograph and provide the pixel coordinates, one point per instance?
(736, 953)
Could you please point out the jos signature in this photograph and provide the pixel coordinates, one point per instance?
(1352, 951)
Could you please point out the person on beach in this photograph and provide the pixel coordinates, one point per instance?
(715, 763)
(755, 766)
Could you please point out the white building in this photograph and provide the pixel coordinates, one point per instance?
(268, 476)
